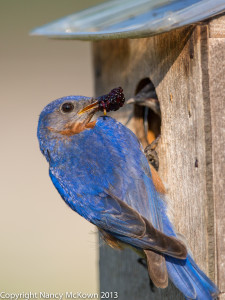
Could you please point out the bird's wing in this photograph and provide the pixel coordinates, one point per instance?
(132, 180)
(131, 183)
(123, 222)
(116, 217)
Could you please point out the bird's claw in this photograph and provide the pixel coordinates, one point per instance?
(151, 153)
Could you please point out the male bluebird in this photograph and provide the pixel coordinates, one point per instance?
(101, 172)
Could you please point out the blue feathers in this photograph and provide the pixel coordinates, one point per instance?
(190, 280)
(102, 173)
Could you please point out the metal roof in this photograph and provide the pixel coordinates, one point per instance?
(130, 19)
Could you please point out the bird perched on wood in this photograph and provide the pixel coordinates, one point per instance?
(100, 170)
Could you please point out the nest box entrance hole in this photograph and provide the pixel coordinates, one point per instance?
(147, 114)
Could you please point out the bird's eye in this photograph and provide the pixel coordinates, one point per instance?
(67, 107)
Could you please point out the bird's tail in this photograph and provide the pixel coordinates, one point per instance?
(190, 280)
(184, 273)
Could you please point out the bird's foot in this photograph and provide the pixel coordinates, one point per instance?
(151, 153)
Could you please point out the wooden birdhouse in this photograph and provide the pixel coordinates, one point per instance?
(178, 47)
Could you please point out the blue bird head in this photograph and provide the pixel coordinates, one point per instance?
(65, 117)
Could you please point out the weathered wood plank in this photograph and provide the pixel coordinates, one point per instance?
(217, 27)
(217, 95)
(208, 150)
(177, 64)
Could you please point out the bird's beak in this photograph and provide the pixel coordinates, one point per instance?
(131, 101)
(92, 106)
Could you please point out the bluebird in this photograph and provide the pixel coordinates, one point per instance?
(100, 170)
(147, 97)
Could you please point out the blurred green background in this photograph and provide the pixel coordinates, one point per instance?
(45, 246)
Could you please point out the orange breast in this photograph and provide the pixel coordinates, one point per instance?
(159, 186)
(75, 128)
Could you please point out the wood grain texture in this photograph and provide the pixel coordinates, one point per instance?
(217, 95)
(217, 27)
(177, 63)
